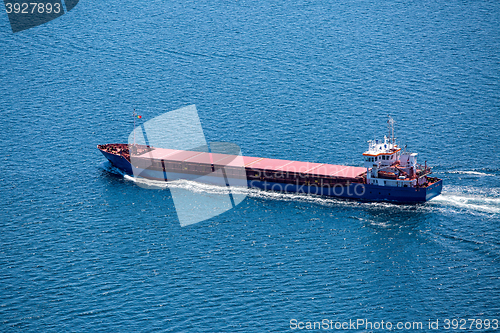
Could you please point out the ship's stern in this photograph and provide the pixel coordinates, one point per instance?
(433, 190)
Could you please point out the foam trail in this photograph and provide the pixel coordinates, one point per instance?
(256, 193)
(472, 199)
(147, 183)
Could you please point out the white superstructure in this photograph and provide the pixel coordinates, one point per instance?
(387, 165)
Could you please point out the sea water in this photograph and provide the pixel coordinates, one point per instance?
(83, 248)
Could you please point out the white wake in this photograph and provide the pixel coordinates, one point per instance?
(455, 199)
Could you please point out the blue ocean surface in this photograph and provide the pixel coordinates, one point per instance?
(84, 249)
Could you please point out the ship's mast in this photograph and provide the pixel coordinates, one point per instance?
(134, 126)
(390, 126)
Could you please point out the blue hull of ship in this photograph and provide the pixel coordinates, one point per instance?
(362, 192)
(355, 191)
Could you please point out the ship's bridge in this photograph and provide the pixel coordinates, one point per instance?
(379, 153)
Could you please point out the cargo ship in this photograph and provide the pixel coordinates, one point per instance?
(390, 173)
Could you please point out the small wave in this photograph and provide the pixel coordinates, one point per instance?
(107, 166)
(475, 173)
(485, 192)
